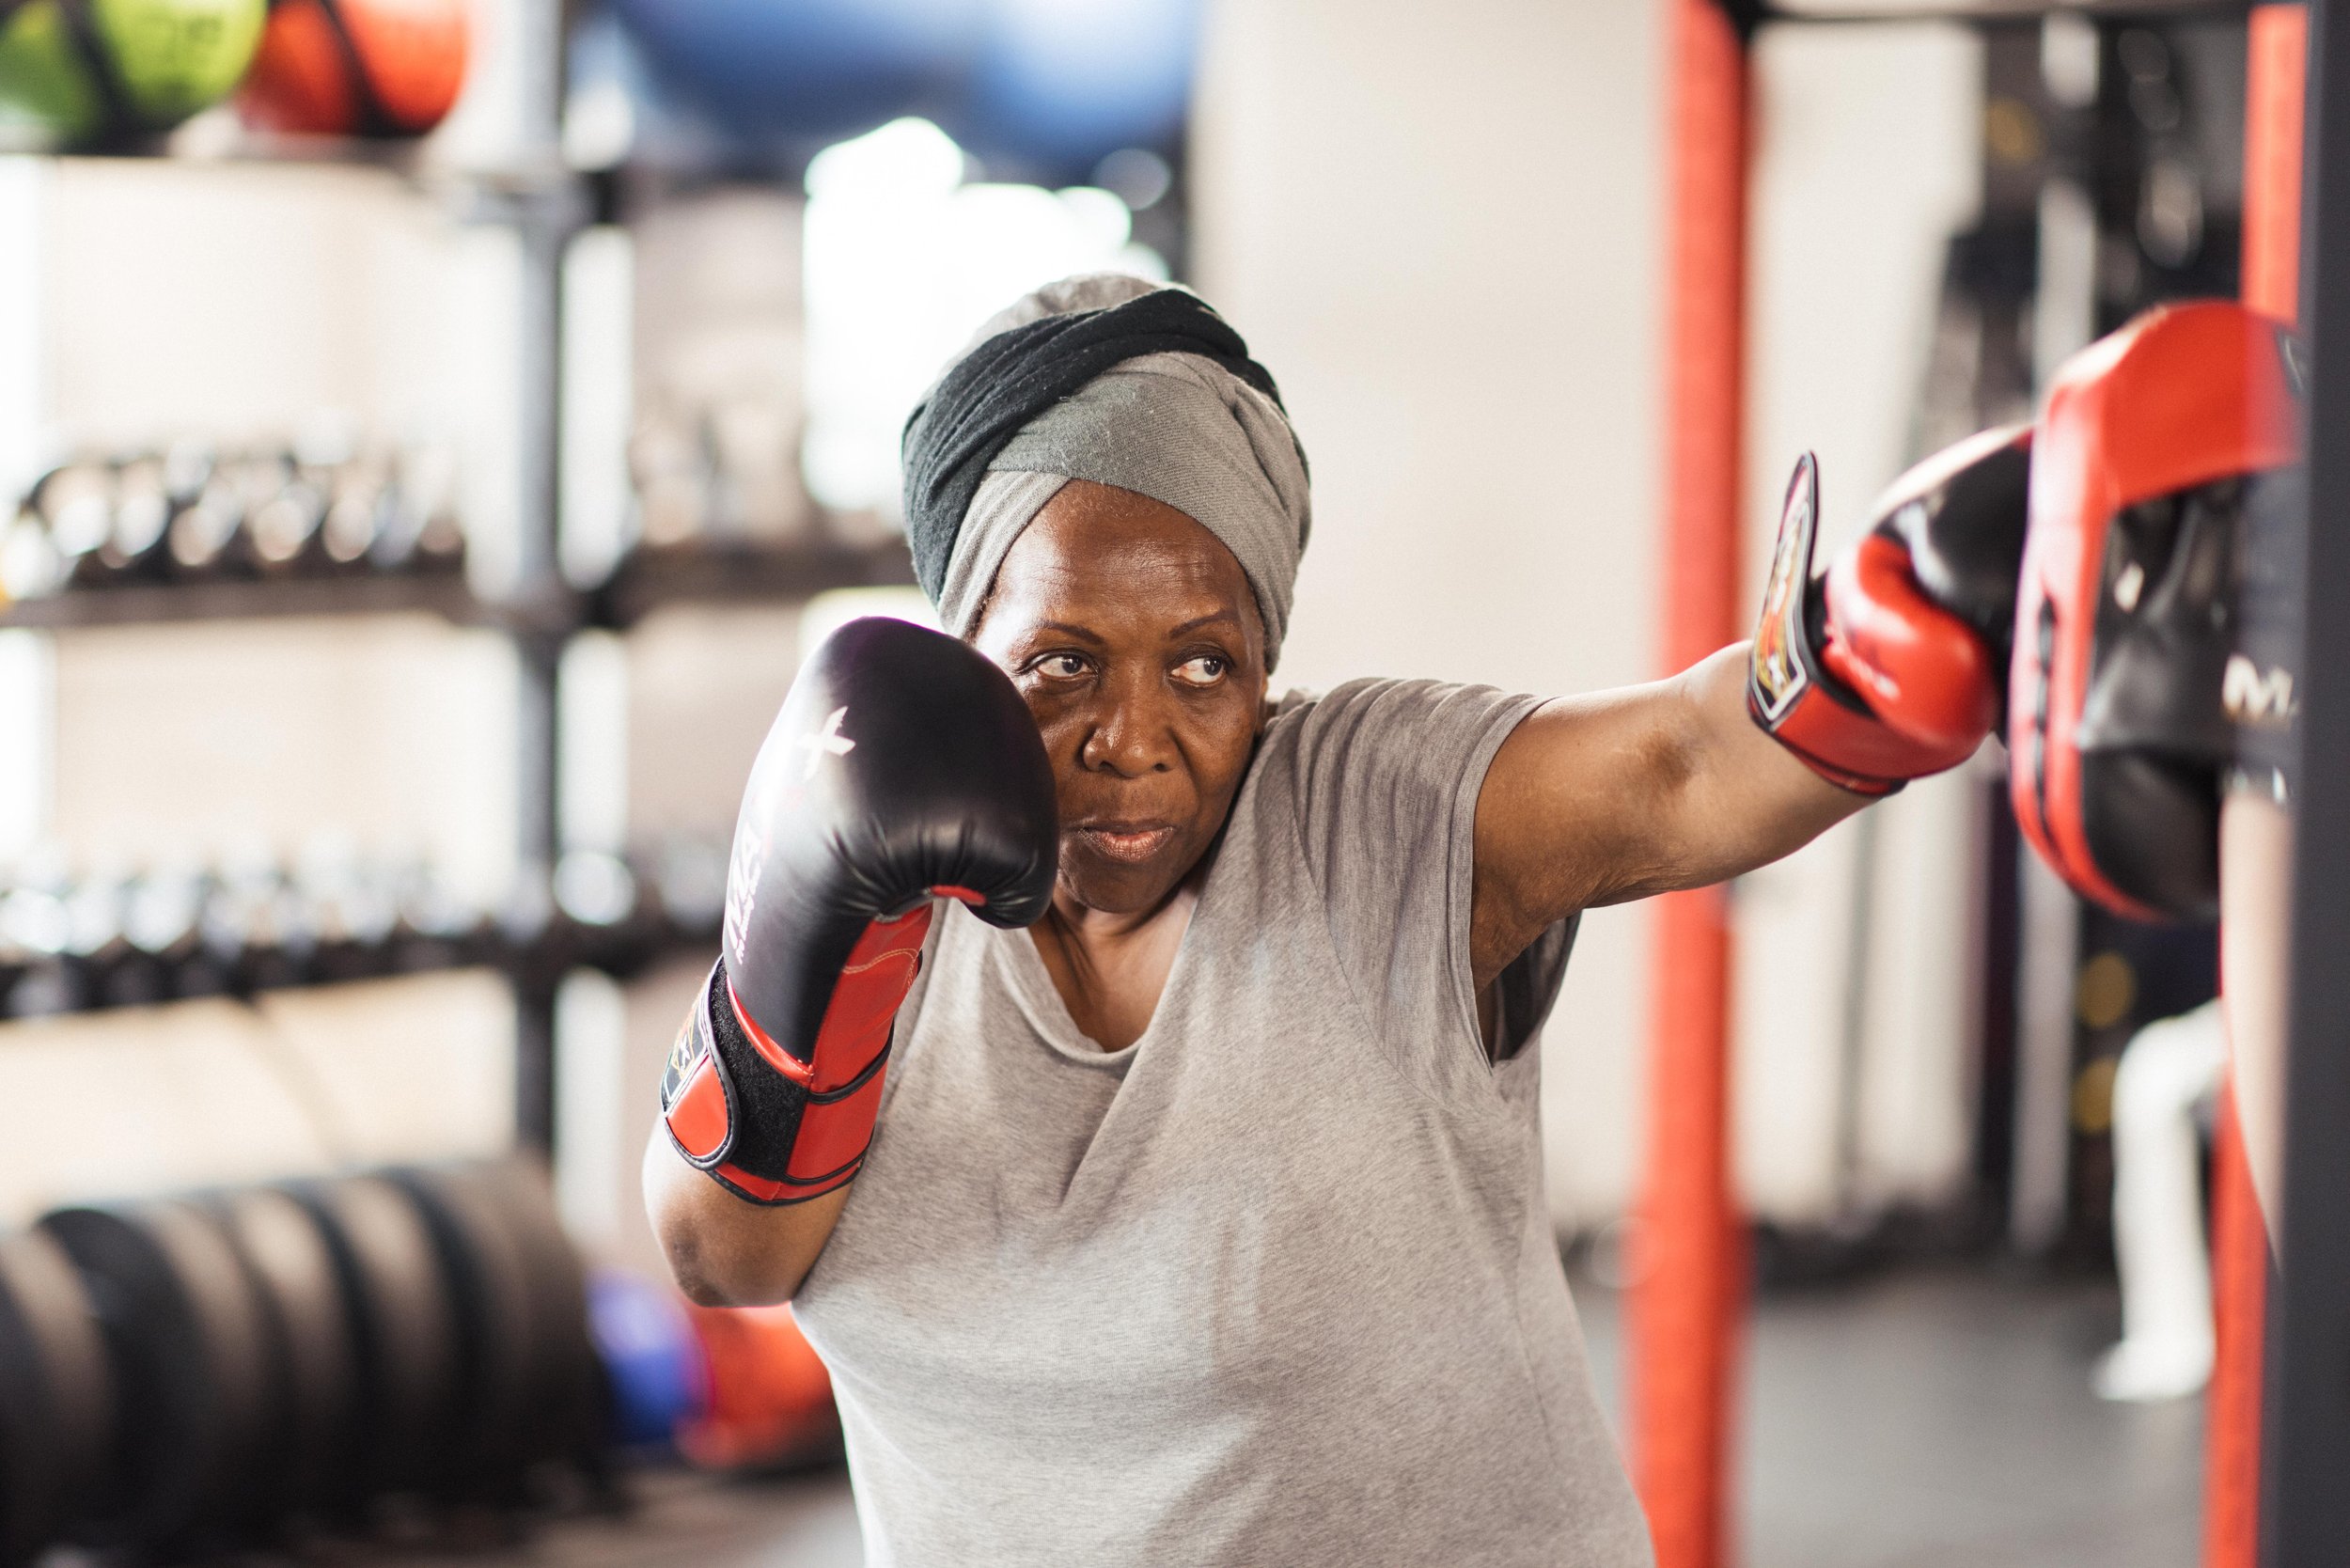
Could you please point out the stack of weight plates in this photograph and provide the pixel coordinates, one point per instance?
(56, 1397)
(181, 1375)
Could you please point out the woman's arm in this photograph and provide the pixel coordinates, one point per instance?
(1888, 669)
(727, 1252)
(2255, 950)
(1600, 799)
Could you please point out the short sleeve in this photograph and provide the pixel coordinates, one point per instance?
(1385, 776)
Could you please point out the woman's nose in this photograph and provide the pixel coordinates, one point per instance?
(1132, 737)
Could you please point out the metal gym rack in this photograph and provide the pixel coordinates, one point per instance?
(546, 205)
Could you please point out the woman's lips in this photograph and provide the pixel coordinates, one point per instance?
(1132, 842)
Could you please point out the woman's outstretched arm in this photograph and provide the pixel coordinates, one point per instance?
(1596, 800)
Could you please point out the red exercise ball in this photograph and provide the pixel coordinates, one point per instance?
(362, 68)
(770, 1396)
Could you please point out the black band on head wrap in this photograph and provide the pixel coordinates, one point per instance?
(1008, 380)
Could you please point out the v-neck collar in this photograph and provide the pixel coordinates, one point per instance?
(1041, 999)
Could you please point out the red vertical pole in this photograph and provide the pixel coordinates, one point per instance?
(2232, 1409)
(1687, 1302)
(2239, 1241)
(2278, 73)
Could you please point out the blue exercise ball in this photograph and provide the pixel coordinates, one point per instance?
(804, 71)
(653, 1363)
(1058, 84)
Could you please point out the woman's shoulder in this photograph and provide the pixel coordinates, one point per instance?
(1383, 715)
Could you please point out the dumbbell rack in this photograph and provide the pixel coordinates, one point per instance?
(545, 205)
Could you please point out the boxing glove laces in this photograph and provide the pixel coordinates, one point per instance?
(903, 768)
(1892, 665)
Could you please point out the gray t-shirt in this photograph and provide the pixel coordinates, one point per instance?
(1276, 1284)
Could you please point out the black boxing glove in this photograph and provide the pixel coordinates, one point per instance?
(903, 767)
(1891, 665)
(2156, 444)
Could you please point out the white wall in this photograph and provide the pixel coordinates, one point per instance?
(1865, 164)
(1440, 227)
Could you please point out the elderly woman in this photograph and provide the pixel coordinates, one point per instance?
(1202, 1220)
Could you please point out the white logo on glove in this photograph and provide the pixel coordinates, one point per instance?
(749, 859)
(2253, 697)
(829, 740)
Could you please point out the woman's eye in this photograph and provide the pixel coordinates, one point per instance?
(1062, 667)
(1205, 670)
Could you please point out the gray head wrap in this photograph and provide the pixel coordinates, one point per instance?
(1177, 426)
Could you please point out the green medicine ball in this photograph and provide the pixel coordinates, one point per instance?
(98, 73)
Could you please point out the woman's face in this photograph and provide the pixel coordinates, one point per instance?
(1133, 634)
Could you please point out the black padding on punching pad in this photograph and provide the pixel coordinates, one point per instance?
(483, 1271)
(2154, 733)
(310, 1449)
(56, 1397)
(2153, 827)
(402, 1327)
(188, 1340)
(565, 1404)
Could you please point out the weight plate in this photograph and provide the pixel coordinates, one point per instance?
(568, 1402)
(311, 1445)
(188, 1339)
(56, 1397)
(402, 1327)
(487, 1277)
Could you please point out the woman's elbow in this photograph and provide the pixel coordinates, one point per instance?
(717, 1257)
(717, 1280)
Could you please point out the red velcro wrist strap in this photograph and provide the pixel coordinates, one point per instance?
(757, 1119)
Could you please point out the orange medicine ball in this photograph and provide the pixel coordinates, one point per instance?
(367, 68)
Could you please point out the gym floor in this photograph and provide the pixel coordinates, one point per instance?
(1943, 1419)
(1930, 1419)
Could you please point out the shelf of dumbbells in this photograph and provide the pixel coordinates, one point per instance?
(641, 585)
(100, 945)
(442, 594)
(718, 575)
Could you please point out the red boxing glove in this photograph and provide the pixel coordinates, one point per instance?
(2162, 448)
(1891, 667)
(903, 767)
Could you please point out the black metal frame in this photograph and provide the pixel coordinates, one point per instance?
(2306, 1502)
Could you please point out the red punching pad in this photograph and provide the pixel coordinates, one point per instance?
(365, 68)
(2137, 429)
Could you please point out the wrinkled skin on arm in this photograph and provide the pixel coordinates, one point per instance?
(1603, 799)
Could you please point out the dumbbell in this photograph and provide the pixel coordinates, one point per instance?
(204, 525)
(283, 530)
(75, 503)
(135, 549)
(361, 509)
